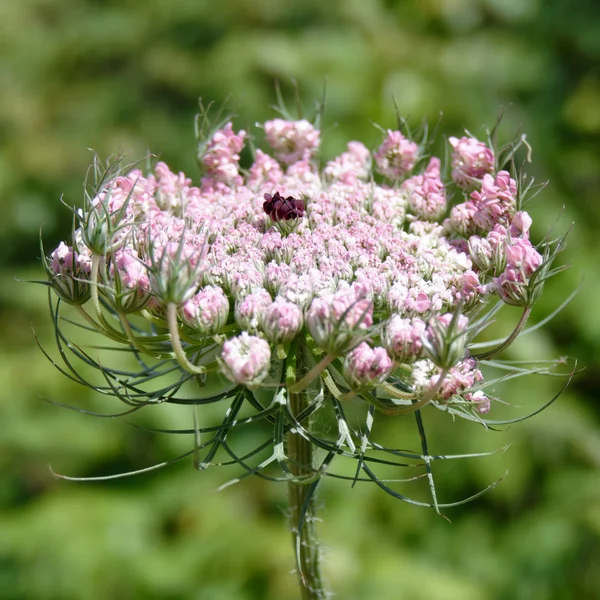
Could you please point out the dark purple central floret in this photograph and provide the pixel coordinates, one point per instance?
(283, 209)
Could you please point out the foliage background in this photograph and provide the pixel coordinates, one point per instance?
(125, 75)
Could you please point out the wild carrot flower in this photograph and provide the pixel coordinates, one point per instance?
(370, 293)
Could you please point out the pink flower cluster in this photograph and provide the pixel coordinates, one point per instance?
(67, 262)
(426, 193)
(207, 311)
(222, 156)
(495, 204)
(471, 160)
(371, 272)
(292, 140)
(349, 166)
(365, 366)
(403, 338)
(396, 156)
(522, 261)
(245, 360)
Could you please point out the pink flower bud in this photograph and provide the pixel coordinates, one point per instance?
(245, 360)
(523, 255)
(480, 400)
(396, 156)
(334, 320)
(69, 272)
(496, 202)
(402, 338)
(128, 287)
(481, 252)
(471, 160)
(445, 342)
(349, 166)
(249, 310)
(426, 193)
(459, 378)
(471, 290)
(264, 171)
(365, 366)
(221, 155)
(520, 224)
(281, 321)
(132, 271)
(207, 311)
(65, 261)
(292, 140)
(174, 273)
(461, 218)
(513, 285)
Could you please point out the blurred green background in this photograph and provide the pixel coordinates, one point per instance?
(125, 75)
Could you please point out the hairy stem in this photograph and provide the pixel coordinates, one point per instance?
(302, 505)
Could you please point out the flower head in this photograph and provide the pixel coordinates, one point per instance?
(69, 272)
(396, 156)
(515, 285)
(446, 340)
(246, 360)
(283, 209)
(366, 367)
(336, 321)
(471, 160)
(496, 202)
(287, 287)
(207, 311)
(292, 140)
(281, 321)
(403, 338)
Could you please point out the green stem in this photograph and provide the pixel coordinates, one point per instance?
(297, 387)
(300, 455)
(509, 340)
(176, 342)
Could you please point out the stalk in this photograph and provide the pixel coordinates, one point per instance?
(300, 455)
(509, 340)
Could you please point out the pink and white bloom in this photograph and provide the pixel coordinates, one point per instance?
(207, 311)
(396, 156)
(65, 261)
(292, 140)
(402, 338)
(249, 309)
(366, 367)
(350, 166)
(69, 272)
(281, 321)
(349, 258)
(481, 402)
(471, 160)
(222, 154)
(496, 202)
(513, 284)
(335, 321)
(460, 378)
(246, 360)
(426, 193)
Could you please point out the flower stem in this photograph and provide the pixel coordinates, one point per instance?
(311, 375)
(509, 340)
(176, 342)
(302, 505)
